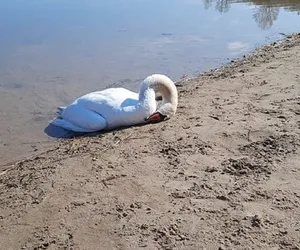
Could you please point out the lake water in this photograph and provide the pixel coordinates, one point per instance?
(52, 51)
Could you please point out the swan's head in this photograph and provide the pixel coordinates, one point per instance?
(168, 91)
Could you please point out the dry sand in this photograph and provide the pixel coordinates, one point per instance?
(224, 173)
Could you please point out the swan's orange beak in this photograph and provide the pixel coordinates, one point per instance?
(155, 117)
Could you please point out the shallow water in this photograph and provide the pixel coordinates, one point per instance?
(52, 51)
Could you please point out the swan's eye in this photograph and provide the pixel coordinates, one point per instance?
(158, 98)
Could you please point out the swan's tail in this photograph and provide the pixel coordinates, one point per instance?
(60, 111)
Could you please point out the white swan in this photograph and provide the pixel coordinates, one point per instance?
(117, 107)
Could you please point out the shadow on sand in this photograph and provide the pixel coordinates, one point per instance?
(57, 132)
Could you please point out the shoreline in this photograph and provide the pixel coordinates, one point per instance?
(36, 145)
(221, 174)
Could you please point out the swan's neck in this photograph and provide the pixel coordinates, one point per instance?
(168, 96)
(147, 97)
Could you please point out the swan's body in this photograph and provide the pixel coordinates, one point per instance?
(117, 107)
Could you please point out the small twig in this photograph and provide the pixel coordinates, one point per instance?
(4, 172)
(36, 142)
(248, 134)
(214, 117)
(136, 138)
(117, 142)
(109, 178)
(112, 177)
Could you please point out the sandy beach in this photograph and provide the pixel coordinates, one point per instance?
(224, 173)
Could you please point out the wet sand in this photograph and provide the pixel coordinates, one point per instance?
(223, 173)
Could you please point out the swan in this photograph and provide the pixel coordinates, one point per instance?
(118, 107)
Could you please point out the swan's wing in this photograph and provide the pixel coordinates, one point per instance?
(111, 103)
(112, 98)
